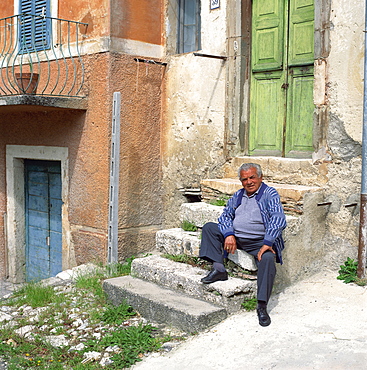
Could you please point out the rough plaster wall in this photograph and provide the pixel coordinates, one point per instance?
(137, 20)
(96, 13)
(6, 9)
(345, 97)
(193, 133)
(140, 207)
(345, 65)
(88, 213)
(341, 237)
(57, 128)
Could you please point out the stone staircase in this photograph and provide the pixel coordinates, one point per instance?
(301, 186)
(172, 293)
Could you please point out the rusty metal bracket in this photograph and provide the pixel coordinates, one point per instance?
(210, 56)
(149, 61)
(350, 205)
(324, 204)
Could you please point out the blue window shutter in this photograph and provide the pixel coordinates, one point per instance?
(34, 32)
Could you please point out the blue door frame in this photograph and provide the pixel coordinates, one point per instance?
(43, 206)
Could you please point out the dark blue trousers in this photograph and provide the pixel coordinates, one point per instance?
(211, 249)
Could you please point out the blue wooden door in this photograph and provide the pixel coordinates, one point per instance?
(43, 219)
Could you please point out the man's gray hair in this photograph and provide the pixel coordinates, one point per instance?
(247, 166)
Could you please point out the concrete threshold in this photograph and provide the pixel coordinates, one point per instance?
(163, 305)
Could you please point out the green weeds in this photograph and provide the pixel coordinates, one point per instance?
(117, 315)
(222, 201)
(188, 226)
(133, 342)
(184, 258)
(348, 273)
(35, 295)
(249, 304)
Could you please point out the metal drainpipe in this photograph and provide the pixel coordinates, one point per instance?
(361, 270)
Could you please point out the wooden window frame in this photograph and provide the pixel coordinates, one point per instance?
(182, 27)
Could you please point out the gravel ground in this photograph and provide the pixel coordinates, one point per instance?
(72, 328)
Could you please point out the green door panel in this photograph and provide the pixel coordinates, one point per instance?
(301, 32)
(298, 140)
(281, 92)
(267, 118)
(267, 35)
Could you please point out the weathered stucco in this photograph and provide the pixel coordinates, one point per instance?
(345, 100)
(345, 65)
(140, 202)
(194, 113)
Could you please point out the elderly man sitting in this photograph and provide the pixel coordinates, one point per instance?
(253, 220)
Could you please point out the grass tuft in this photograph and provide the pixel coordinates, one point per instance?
(188, 226)
(249, 304)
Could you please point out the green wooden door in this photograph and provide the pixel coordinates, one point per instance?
(281, 109)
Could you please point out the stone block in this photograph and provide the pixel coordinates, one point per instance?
(243, 259)
(187, 279)
(177, 241)
(190, 244)
(200, 213)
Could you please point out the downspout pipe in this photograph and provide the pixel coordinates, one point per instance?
(361, 269)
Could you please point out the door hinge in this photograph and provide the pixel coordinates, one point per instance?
(48, 241)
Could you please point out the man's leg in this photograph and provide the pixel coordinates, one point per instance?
(211, 249)
(265, 280)
(265, 276)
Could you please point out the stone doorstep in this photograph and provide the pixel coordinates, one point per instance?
(164, 305)
(286, 191)
(283, 170)
(177, 241)
(186, 279)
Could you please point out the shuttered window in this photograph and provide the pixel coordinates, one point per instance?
(189, 27)
(34, 31)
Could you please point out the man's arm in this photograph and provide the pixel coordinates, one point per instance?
(225, 220)
(273, 217)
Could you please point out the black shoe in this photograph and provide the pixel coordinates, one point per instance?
(215, 275)
(264, 318)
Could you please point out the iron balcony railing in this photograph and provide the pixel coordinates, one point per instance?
(41, 55)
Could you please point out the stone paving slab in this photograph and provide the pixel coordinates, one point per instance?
(319, 323)
(164, 305)
(185, 278)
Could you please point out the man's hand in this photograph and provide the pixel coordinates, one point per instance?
(263, 249)
(230, 244)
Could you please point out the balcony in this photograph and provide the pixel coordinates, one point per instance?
(41, 63)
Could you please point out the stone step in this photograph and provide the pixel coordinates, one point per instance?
(177, 241)
(283, 170)
(184, 278)
(292, 196)
(163, 305)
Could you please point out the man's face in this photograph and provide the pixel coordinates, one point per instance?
(250, 181)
